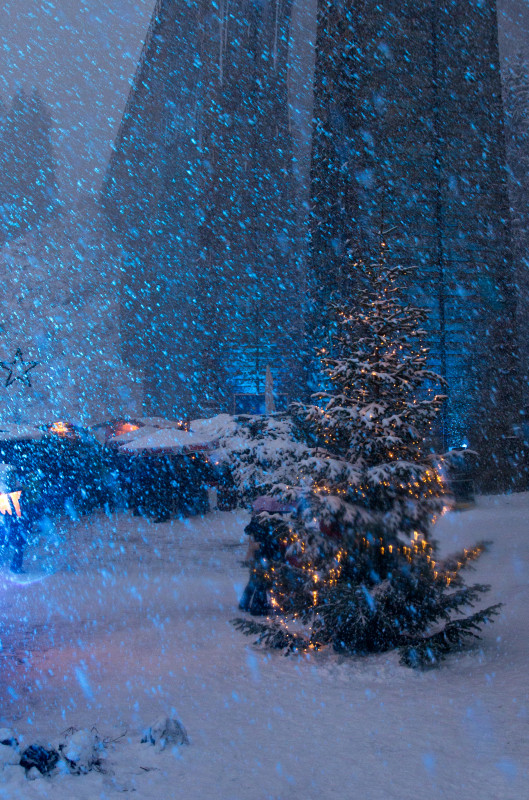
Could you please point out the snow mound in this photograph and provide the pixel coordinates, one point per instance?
(82, 750)
(9, 756)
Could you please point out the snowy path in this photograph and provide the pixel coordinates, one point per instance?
(134, 621)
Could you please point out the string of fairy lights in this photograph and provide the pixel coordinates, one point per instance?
(418, 547)
(315, 576)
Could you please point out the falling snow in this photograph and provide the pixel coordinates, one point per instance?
(185, 189)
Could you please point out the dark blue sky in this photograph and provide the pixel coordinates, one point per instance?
(82, 54)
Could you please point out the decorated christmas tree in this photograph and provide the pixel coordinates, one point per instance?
(357, 567)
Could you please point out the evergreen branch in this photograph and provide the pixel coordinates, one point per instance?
(451, 565)
(273, 635)
(465, 596)
(431, 650)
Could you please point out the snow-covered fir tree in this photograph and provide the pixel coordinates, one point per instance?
(358, 567)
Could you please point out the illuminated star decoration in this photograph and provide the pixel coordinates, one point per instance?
(18, 369)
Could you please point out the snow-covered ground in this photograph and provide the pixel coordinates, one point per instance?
(125, 619)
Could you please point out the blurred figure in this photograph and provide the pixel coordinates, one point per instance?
(263, 529)
(22, 512)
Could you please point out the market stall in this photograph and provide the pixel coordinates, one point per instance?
(167, 471)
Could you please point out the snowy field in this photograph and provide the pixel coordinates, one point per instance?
(119, 620)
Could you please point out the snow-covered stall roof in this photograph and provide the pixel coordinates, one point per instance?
(123, 429)
(163, 436)
(168, 440)
(215, 427)
(10, 432)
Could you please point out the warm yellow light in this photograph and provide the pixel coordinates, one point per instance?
(5, 505)
(15, 497)
(60, 428)
(126, 427)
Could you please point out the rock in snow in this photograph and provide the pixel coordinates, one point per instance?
(166, 731)
(8, 737)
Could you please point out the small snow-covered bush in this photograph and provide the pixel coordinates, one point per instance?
(43, 758)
